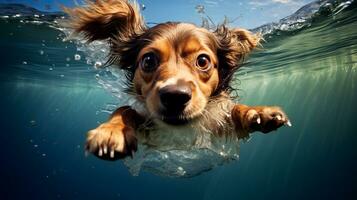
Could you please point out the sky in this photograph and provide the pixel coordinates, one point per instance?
(247, 13)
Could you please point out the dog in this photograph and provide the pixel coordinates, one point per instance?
(179, 74)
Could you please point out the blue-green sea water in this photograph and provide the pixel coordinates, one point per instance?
(50, 98)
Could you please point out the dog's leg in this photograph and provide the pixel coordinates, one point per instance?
(257, 118)
(115, 138)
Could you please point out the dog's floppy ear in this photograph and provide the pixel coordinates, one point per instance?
(233, 46)
(103, 19)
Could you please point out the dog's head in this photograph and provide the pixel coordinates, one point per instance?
(175, 68)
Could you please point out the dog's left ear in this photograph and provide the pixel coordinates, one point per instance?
(117, 20)
(233, 46)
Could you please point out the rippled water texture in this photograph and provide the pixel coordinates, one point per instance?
(52, 94)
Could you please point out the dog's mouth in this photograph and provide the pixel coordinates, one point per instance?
(177, 117)
(176, 120)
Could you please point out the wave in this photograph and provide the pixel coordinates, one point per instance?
(20, 11)
(305, 16)
(302, 18)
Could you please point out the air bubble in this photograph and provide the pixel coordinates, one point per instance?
(97, 64)
(223, 154)
(33, 122)
(77, 57)
(143, 7)
(181, 171)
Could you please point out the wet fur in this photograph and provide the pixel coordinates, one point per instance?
(211, 110)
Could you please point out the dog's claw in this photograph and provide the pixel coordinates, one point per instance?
(258, 120)
(105, 149)
(100, 152)
(112, 153)
(288, 123)
(132, 153)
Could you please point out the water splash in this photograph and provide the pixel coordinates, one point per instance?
(304, 16)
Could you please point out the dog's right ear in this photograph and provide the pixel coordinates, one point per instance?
(106, 19)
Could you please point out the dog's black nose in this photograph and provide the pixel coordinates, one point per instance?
(175, 97)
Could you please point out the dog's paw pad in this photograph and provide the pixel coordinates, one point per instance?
(266, 119)
(111, 141)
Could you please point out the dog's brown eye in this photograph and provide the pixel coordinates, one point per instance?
(149, 62)
(203, 62)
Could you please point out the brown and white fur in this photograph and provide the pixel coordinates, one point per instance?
(180, 75)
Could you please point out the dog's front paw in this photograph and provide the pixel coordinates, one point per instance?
(265, 119)
(111, 141)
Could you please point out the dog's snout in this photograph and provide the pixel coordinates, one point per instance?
(175, 97)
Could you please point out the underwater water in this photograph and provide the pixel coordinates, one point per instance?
(52, 95)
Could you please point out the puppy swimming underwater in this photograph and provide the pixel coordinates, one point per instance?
(179, 74)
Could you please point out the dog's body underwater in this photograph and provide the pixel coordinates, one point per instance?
(180, 76)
